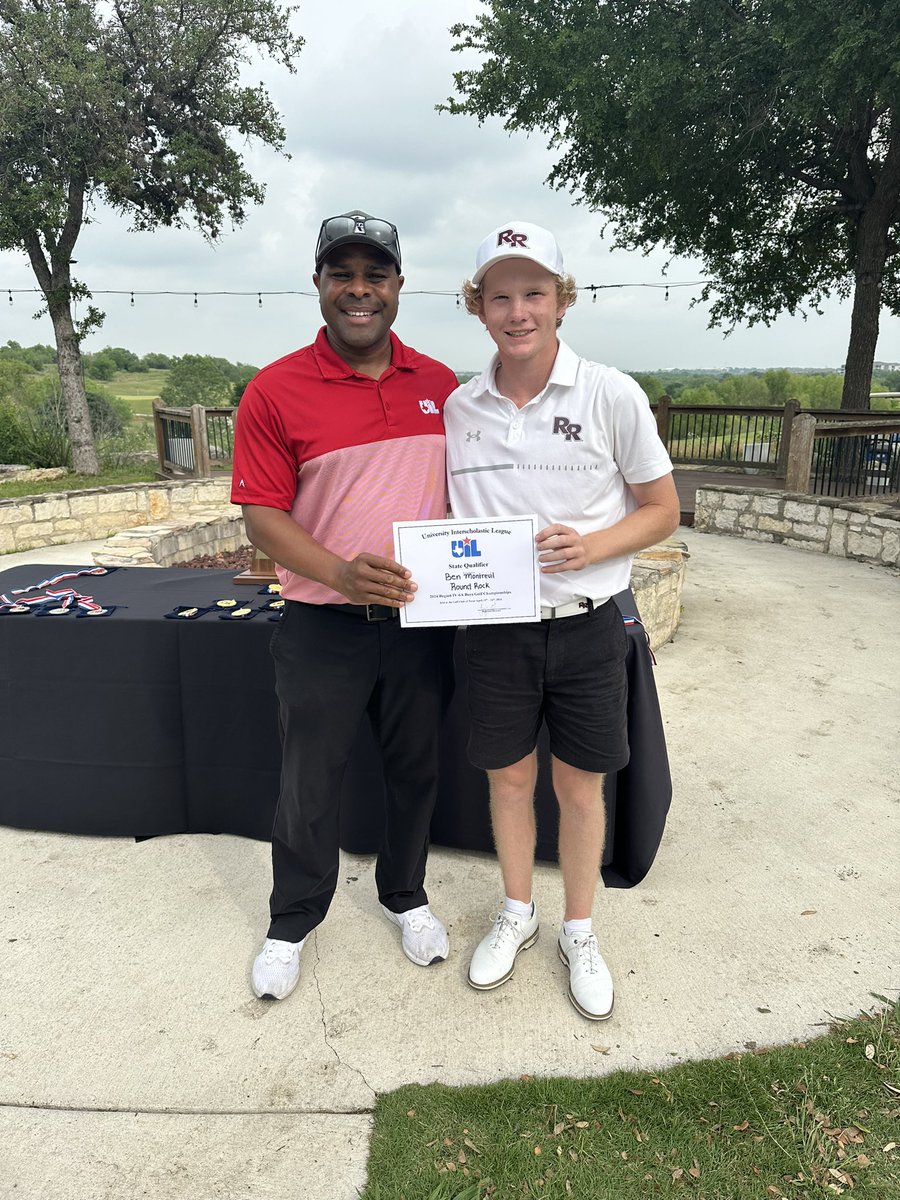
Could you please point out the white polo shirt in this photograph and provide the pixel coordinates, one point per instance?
(566, 455)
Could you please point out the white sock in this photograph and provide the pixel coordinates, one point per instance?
(518, 908)
(579, 925)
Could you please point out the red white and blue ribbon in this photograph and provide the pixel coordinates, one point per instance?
(635, 621)
(53, 581)
(53, 601)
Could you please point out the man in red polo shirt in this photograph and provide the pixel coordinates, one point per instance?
(333, 443)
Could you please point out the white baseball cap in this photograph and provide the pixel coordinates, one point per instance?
(518, 239)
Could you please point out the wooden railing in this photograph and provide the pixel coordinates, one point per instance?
(193, 441)
(844, 457)
(755, 440)
(826, 451)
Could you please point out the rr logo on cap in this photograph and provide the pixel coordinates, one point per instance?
(508, 237)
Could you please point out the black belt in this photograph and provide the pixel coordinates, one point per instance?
(368, 612)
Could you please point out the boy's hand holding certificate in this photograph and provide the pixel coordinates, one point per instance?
(472, 572)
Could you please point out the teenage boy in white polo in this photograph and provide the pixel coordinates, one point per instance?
(542, 430)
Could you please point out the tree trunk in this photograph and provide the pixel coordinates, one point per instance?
(78, 419)
(51, 261)
(872, 247)
(871, 252)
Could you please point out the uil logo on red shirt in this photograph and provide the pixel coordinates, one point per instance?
(429, 408)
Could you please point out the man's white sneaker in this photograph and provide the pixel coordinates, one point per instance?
(276, 969)
(495, 957)
(425, 939)
(590, 983)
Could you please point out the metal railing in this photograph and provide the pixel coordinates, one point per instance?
(845, 457)
(193, 441)
(755, 440)
(742, 438)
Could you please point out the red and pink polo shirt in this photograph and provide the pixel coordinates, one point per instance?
(344, 454)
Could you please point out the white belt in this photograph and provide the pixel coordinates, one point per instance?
(572, 609)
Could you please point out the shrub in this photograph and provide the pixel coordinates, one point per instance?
(13, 447)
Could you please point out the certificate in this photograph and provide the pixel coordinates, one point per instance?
(482, 572)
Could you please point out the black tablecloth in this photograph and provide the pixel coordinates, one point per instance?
(135, 725)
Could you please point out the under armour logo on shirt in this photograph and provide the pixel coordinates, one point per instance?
(473, 435)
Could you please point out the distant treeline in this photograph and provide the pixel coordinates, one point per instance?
(216, 382)
(757, 388)
(192, 378)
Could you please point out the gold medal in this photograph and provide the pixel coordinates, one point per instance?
(226, 604)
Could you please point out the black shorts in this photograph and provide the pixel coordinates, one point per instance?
(569, 672)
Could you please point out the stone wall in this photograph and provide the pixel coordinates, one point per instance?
(157, 524)
(174, 541)
(85, 516)
(867, 530)
(657, 579)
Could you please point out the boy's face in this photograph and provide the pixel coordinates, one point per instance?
(520, 309)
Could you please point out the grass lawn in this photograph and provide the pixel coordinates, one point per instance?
(145, 473)
(138, 389)
(792, 1123)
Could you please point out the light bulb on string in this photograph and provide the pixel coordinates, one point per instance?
(195, 299)
(10, 297)
(259, 298)
(667, 291)
(132, 299)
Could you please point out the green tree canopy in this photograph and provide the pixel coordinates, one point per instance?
(197, 379)
(140, 103)
(761, 135)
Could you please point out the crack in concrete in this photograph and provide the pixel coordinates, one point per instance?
(325, 1023)
(23, 1106)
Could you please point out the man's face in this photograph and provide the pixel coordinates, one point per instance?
(520, 308)
(359, 291)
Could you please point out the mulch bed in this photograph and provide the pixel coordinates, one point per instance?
(233, 560)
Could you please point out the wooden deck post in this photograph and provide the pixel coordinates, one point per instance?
(201, 441)
(662, 419)
(162, 471)
(803, 428)
(791, 409)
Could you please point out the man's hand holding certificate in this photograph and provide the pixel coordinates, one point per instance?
(470, 573)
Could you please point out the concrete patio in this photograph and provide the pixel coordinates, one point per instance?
(135, 1062)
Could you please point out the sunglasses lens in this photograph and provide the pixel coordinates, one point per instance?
(337, 227)
(382, 232)
(372, 227)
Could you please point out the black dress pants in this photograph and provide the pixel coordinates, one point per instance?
(331, 669)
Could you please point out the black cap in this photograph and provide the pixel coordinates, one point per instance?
(361, 228)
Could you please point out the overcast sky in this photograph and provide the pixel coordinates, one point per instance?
(362, 132)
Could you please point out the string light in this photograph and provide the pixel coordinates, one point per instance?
(593, 288)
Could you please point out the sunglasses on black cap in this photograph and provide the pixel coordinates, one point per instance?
(358, 227)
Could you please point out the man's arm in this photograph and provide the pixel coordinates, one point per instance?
(562, 548)
(365, 579)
